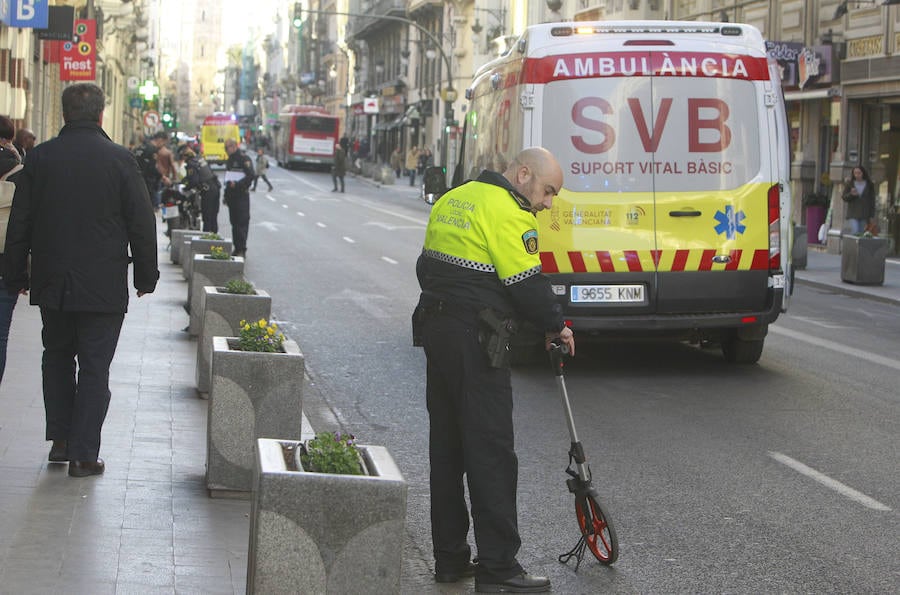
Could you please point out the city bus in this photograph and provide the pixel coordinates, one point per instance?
(216, 129)
(306, 135)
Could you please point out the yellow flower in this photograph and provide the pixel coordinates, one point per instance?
(270, 331)
(246, 327)
(243, 322)
(262, 322)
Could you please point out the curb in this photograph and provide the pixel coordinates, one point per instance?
(847, 290)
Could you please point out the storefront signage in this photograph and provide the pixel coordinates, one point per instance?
(60, 24)
(25, 14)
(78, 58)
(802, 66)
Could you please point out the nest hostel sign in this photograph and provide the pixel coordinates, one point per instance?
(25, 14)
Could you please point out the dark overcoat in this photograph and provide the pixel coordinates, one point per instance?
(80, 204)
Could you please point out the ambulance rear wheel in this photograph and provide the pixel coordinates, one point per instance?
(741, 351)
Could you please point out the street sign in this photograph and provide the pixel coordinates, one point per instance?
(133, 83)
(370, 105)
(151, 119)
(136, 103)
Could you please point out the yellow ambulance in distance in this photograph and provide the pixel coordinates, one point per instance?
(674, 217)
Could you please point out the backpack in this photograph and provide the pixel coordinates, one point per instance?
(145, 155)
(7, 190)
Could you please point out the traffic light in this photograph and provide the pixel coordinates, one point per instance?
(166, 119)
(298, 15)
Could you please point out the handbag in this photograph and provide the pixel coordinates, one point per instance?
(7, 191)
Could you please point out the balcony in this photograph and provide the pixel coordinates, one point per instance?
(363, 27)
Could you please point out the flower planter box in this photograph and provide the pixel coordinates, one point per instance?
(862, 260)
(320, 533)
(252, 395)
(212, 272)
(177, 241)
(221, 314)
(196, 246)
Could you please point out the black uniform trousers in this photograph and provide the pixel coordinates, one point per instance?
(239, 216)
(76, 405)
(209, 210)
(470, 414)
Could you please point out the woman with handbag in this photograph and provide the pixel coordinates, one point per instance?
(10, 164)
(859, 196)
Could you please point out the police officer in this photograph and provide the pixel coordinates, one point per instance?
(480, 266)
(201, 179)
(237, 194)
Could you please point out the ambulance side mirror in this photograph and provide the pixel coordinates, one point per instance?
(434, 183)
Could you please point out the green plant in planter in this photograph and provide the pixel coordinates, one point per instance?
(210, 235)
(218, 253)
(332, 453)
(239, 286)
(260, 336)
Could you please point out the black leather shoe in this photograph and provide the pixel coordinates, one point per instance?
(468, 571)
(58, 452)
(521, 583)
(85, 468)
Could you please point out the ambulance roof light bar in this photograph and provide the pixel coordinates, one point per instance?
(565, 31)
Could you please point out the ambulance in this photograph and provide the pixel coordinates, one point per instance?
(674, 216)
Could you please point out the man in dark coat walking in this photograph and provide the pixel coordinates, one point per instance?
(80, 204)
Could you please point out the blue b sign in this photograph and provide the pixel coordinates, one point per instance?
(25, 14)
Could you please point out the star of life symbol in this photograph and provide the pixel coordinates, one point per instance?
(730, 222)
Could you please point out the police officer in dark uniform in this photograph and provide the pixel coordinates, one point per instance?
(237, 195)
(479, 272)
(200, 178)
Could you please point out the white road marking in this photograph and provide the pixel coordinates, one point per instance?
(838, 347)
(372, 206)
(301, 213)
(817, 322)
(320, 224)
(284, 206)
(272, 198)
(349, 240)
(828, 482)
(390, 260)
(269, 225)
(390, 227)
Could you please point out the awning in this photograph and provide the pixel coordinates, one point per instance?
(812, 94)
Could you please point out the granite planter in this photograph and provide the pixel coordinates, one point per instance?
(198, 246)
(252, 395)
(862, 259)
(320, 533)
(177, 240)
(212, 272)
(221, 314)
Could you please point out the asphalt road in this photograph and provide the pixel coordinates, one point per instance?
(778, 477)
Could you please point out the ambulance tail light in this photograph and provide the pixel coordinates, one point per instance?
(774, 228)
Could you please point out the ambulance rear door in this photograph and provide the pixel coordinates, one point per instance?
(664, 211)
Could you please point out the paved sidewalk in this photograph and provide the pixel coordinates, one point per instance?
(147, 525)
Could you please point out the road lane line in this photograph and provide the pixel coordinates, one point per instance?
(301, 213)
(349, 240)
(368, 205)
(852, 351)
(828, 482)
(320, 224)
(272, 198)
(390, 260)
(284, 206)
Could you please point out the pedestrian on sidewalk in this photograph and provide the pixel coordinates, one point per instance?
(478, 260)
(412, 162)
(397, 162)
(339, 169)
(81, 206)
(859, 196)
(239, 174)
(262, 166)
(10, 165)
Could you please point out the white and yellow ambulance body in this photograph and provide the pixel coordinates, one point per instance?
(674, 216)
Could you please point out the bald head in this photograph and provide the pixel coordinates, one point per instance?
(535, 174)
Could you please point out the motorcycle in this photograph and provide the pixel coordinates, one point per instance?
(180, 208)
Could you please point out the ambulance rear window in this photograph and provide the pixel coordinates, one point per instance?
(637, 134)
